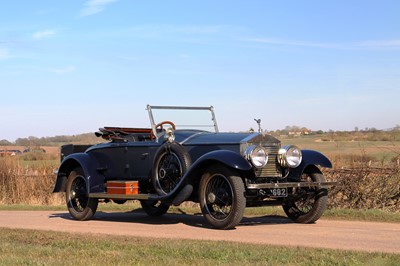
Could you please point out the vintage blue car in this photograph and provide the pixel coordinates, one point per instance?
(184, 157)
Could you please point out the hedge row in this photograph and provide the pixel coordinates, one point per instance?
(365, 188)
(362, 188)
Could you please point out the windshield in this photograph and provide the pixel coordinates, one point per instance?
(194, 118)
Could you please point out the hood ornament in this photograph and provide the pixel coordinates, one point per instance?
(259, 125)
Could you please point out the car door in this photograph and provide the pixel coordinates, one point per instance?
(140, 159)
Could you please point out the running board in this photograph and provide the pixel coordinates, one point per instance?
(122, 196)
(179, 197)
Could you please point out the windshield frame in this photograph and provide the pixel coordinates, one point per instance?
(150, 108)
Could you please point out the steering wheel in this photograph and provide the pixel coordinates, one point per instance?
(161, 127)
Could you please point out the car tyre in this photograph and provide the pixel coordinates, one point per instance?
(307, 204)
(80, 206)
(222, 199)
(154, 208)
(171, 162)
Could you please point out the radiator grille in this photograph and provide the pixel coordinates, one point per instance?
(272, 169)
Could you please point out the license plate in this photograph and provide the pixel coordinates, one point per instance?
(279, 192)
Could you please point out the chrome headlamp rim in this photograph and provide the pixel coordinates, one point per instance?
(290, 156)
(256, 155)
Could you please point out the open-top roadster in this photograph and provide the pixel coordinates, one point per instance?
(184, 157)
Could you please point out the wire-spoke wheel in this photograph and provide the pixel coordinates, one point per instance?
(307, 204)
(170, 164)
(222, 198)
(80, 206)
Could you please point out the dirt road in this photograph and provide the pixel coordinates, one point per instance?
(364, 236)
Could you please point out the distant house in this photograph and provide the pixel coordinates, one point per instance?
(298, 133)
(294, 133)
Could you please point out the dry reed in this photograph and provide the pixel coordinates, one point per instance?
(27, 185)
(359, 186)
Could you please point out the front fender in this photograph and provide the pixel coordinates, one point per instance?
(89, 167)
(225, 157)
(310, 157)
(228, 158)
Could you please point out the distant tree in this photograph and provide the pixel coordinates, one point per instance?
(34, 141)
(5, 142)
(22, 142)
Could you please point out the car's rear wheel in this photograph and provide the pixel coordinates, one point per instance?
(80, 206)
(222, 198)
(170, 164)
(307, 204)
(154, 207)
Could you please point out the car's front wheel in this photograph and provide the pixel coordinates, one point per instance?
(307, 204)
(222, 198)
(80, 206)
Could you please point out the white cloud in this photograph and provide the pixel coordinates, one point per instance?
(4, 54)
(43, 34)
(129, 58)
(94, 6)
(185, 56)
(64, 70)
(370, 44)
(295, 43)
(380, 44)
(171, 29)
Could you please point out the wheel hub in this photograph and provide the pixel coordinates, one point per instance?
(211, 197)
(162, 173)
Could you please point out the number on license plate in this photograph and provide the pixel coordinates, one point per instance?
(279, 192)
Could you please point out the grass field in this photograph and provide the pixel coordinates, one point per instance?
(380, 153)
(26, 247)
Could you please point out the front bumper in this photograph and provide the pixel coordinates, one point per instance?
(326, 184)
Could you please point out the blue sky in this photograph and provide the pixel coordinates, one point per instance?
(70, 67)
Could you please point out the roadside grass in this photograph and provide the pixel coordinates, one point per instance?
(372, 215)
(28, 247)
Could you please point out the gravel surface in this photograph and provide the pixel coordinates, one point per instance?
(271, 230)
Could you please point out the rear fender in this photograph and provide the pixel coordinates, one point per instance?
(310, 157)
(89, 166)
